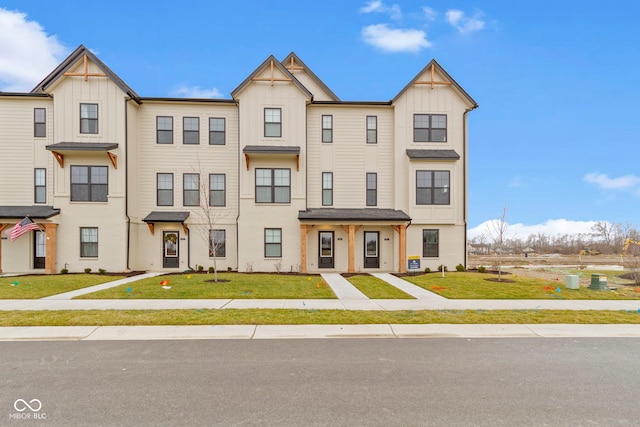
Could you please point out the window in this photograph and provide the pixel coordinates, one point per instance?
(191, 130)
(216, 131)
(272, 122)
(272, 242)
(191, 189)
(89, 183)
(430, 128)
(39, 122)
(40, 185)
(372, 189)
(372, 129)
(217, 189)
(430, 243)
(217, 243)
(327, 128)
(89, 242)
(164, 195)
(164, 130)
(432, 188)
(88, 118)
(273, 185)
(327, 188)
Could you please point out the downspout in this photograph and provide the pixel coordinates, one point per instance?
(464, 179)
(126, 180)
(188, 246)
(238, 195)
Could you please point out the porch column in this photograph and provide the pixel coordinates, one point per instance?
(402, 252)
(352, 248)
(303, 248)
(50, 248)
(2, 228)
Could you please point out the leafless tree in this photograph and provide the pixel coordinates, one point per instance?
(497, 230)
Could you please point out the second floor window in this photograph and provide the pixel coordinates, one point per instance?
(88, 118)
(327, 188)
(273, 122)
(191, 189)
(372, 189)
(40, 185)
(273, 185)
(191, 130)
(372, 129)
(216, 131)
(327, 128)
(164, 130)
(39, 122)
(430, 128)
(432, 188)
(217, 189)
(164, 195)
(89, 183)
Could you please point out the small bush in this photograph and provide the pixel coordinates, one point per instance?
(482, 269)
(87, 270)
(200, 268)
(64, 271)
(101, 271)
(459, 267)
(427, 270)
(210, 270)
(229, 269)
(440, 267)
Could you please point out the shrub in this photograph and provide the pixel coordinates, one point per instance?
(200, 268)
(482, 269)
(210, 270)
(427, 270)
(229, 269)
(101, 271)
(459, 267)
(440, 267)
(87, 270)
(64, 271)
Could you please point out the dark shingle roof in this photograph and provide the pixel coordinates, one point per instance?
(82, 146)
(368, 214)
(166, 216)
(40, 212)
(433, 154)
(271, 149)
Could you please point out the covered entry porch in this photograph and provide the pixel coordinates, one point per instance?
(375, 239)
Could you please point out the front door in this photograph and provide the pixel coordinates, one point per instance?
(326, 259)
(39, 248)
(170, 241)
(371, 249)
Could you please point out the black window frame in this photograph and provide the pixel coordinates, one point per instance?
(162, 131)
(93, 189)
(277, 245)
(190, 196)
(272, 186)
(167, 190)
(88, 248)
(39, 189)
(214, 135)
(327, 128)
(89, 120)
(433, 190)
(188, 134)
(327, 189)
(430, 249)
(372, 190)
(429, 130)
(221, 250)
(213, 192)
(39, 123)
(372, 132)
(268, 124)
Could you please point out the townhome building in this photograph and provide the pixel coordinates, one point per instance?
(282, 176)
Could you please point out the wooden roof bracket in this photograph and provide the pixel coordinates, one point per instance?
(433, 81)
(114, 159)
(59, 157)
(86, 72)
(272, 78)
(151, 227)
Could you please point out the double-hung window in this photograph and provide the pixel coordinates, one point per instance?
(272, 242)
(273, 185)
(430, 128)
(191, 189)
(216, 131)
(164, 188)
(191, 130)
(164, 130)
(372, 129)
(273, 122)
(327, 188)
(430, 241)
(88, 118)
(89, 183)
(39, 122)
(217, 189)
(88, 242)
(372, 189)
(217, 243)
(327, 128)
(40, 185)
(432, 188)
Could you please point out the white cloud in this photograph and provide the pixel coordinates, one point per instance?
(196, 92)
(552, 227)
(626, 182)
(463, 23)
(378, 6)
(429, 13)
(395, 40)
(27, 52)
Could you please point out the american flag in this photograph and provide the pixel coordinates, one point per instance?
(22, 227)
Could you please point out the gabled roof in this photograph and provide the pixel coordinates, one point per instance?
(437, 67)
(271, 61)
(71, 60)
(293, 58)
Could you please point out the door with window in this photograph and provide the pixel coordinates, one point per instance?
(39, 248)
(371, 249)
(170, 256)
(326, 259)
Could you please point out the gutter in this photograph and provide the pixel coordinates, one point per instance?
(464, 178)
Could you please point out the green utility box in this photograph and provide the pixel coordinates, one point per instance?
(598, 282)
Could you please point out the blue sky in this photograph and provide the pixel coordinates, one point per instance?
(556, 137)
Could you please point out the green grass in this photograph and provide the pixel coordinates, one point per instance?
(230, 286)
(40, 286)
(299, 317)
(457, 285)
(376, 288)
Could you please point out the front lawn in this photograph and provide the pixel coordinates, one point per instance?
(40, 286)
(376, 288)
(229, 286)
(466, 285)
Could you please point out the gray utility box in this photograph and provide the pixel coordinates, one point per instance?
(573, 281)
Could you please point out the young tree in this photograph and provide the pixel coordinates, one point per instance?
(497, 230)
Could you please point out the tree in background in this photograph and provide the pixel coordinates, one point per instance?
(497, 230)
